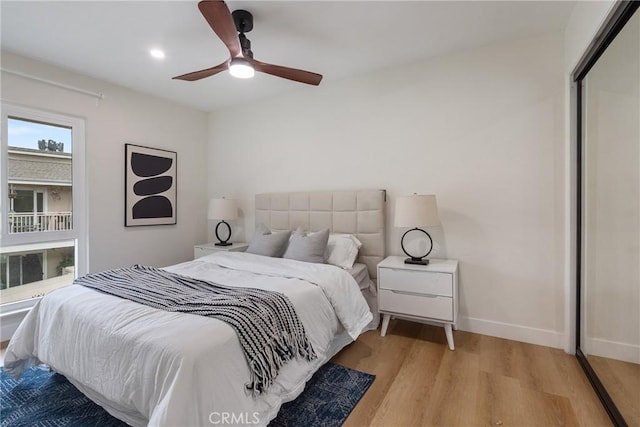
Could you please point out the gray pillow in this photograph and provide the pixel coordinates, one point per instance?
(307, 247)
(268, 244)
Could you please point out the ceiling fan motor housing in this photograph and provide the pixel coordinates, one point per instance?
(243, 20)
(244, 23)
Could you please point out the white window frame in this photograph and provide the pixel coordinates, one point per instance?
(79, 233)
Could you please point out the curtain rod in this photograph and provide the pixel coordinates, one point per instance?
(52, 83)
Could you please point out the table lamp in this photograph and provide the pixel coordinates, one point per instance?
(416, 211)
(223, 210)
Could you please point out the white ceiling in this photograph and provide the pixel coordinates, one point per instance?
(111, 40)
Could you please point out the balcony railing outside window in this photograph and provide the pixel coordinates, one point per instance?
(30, 222)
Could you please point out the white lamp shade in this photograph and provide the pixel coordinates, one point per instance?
(416, 211)
(223, 209)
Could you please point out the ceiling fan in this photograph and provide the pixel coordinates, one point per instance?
(231, 29)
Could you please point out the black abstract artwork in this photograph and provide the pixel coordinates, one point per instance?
(150, 181)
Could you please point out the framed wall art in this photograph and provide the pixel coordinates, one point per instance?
(150, 186)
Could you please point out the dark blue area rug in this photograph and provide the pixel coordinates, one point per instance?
(43, 398)
(327, 400)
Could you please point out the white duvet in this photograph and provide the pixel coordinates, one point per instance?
(147, 366)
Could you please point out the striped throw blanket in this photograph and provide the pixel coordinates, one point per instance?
(266, 322)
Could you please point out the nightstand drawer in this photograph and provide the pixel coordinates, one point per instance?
(416, 281)
(433, 307)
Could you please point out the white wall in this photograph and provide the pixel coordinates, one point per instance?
(483, 130)
(123, 116)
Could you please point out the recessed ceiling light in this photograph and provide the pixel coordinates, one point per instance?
(157, 53)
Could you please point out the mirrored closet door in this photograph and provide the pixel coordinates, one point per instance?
(609, 216)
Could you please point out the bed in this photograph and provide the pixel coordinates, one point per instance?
(153, 367)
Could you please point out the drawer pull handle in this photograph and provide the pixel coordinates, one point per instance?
(415, 294)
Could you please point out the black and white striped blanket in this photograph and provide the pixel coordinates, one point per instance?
(266, 322)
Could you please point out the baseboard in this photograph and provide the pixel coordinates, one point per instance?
(613, 350)
(513, 332)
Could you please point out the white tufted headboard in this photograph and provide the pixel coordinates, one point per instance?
(360, 213)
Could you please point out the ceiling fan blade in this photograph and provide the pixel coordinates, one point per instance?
(197, 75)
(287, 73)
(219, 18)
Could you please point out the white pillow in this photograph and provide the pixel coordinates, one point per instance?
(342, 250)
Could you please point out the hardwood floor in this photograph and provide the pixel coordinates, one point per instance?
(486, 381)
(622, 381)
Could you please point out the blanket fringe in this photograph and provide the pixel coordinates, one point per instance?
(278, 351)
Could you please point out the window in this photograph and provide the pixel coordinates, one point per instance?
(42, 199)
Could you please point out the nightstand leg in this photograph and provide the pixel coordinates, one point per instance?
(385, 324)
(449, 333)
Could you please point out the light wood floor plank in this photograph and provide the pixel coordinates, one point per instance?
(406, 401)
(381, 356)
(499, 402)
(457, 381)
(486, 381)
(580, 392)
(545, 409)
(622, 381)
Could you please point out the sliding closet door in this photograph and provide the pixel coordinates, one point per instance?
(609, 335)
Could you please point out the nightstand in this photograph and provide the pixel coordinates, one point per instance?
(210, 248)
(419, 292)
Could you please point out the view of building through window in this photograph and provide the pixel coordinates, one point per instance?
(40, 184)
(29, 274)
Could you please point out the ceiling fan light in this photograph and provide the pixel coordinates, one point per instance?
(241, 68)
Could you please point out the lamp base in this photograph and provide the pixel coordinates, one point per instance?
(224, 242)
(413, 259)
(416, 261)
